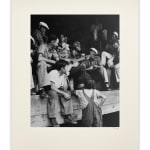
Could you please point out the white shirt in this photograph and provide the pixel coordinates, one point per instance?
(97, 97)
(56, 78)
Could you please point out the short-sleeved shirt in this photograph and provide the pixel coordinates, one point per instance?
(54, 76)
(39, 38)
(43, 49)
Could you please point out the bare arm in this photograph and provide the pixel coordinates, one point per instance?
(53, 87)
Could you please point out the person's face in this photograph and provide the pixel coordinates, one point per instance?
(114, 37)
(77, 46)
(66, 39)
(43, 31)
(92, 54)
(55, 43)
(74, 53)
(64, 70)
(62, 38)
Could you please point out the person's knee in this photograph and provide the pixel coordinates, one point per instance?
(103, 53)
(116, 67)
(101, 69)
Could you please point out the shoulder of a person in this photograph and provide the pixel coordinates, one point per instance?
(96, 91)
(54, 71)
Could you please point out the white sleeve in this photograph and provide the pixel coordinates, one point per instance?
(53, 76)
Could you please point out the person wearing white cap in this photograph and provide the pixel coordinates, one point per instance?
(43, 24)
(44, 62)
(93, 59)
(39, 35)
(115, 36)
(95, 63)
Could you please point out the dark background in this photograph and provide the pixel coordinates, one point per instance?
(76, 27)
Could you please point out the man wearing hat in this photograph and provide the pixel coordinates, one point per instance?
(110, 58)
(39, 35)
(93, 60)
(78, 73)
(93, 67)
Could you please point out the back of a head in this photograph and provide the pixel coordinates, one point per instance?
(59, 64)
(90, 84)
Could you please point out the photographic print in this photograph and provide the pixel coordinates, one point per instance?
(75, 75)
(75, 70)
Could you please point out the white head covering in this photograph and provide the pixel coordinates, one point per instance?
(115, 33)
(44, 25)
(94, 50)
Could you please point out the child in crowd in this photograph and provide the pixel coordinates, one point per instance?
(91, 100)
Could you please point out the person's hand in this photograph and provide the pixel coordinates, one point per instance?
(95, 66)
(67, 96)
(103, 98)
(100, 100)
(110, 63)
(87, 57)
(91, 67)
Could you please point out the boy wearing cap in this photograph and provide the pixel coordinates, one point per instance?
(78, 73)
(93, 60)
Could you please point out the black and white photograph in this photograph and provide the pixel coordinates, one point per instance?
(75, 70)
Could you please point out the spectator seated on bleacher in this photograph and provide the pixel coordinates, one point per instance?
(91, 101)
(59, 94)
(45, 61)
(110, 59)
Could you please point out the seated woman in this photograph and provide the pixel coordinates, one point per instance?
(91, 101)
(59, 95)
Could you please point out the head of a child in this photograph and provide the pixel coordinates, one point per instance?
(90, 84)
(62, 66)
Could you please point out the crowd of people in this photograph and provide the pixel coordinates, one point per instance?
(60, 70)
